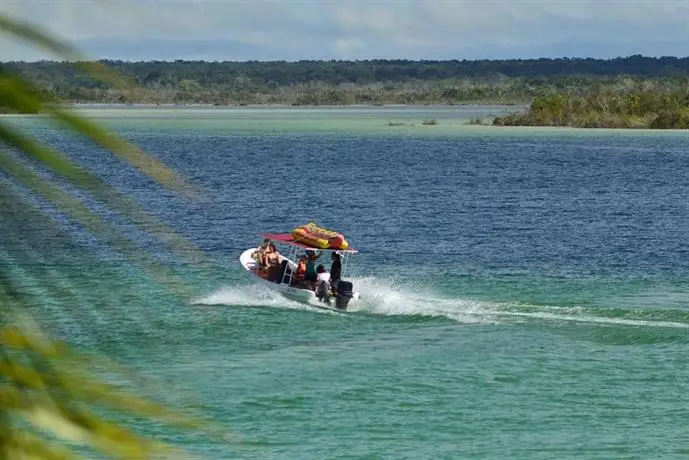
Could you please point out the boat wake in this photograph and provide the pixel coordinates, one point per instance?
(251, 295)
(637, 317)
(386, 297)
(378, 297)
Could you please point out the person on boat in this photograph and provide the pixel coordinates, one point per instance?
(271, 261)
(335, 269)
(270, 255)
(311, 258)
(299, 275)
(323, 284)
(258, 254)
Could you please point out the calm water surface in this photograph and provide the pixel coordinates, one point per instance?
(525, 291)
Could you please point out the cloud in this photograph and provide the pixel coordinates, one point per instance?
(325, 29)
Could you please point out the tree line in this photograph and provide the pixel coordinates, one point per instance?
(350, 82)
(625, 92)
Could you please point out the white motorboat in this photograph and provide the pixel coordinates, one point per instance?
(284, 281)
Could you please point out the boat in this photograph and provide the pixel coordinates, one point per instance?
(284, 282)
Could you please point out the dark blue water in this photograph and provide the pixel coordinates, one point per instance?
(570, 207)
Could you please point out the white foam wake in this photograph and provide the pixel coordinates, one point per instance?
(387, 297)
(584, 318)
(250, 295)
(378, 296)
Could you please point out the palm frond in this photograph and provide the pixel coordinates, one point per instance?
(31, 34)
(63, 166)
(57, 402)
(46, 384)
(22, 97)
(94, 224)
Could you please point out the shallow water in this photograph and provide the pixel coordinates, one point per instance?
(525, 291)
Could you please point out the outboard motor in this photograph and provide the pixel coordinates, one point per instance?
(343, 294)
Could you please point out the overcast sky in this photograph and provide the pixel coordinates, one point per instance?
(356, 29)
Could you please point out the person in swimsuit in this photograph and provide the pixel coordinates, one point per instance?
(259, 253)
(271, 261)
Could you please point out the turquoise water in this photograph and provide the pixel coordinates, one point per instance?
(525, 291)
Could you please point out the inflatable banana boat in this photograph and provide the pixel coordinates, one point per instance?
(319, 237)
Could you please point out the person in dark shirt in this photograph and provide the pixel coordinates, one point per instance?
(335, 270)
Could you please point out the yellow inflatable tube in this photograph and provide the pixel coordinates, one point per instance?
(319, 237)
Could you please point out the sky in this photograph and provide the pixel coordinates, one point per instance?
(218, 30)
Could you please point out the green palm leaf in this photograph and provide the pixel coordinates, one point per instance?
(33, 35)
(63, 166)
(22, 97)
(45, 385)
(82, 214)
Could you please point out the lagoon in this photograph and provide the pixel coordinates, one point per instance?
(526, 288)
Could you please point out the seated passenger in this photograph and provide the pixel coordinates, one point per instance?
(299, 276)
(258, 254)
(271, 262)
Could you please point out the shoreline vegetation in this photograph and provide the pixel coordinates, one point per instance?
(630, 92)
(605, 109)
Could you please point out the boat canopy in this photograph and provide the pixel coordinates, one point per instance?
(287, 239)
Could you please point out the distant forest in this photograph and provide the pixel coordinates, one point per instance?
(355, 82)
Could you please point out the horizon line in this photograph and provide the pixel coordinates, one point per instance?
(288, 61)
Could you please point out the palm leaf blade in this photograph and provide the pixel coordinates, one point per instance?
(45, 383)
(82, 214)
